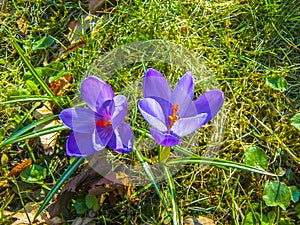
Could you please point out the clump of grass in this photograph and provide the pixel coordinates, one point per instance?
(242, 42)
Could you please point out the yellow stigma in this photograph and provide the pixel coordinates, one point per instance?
(173, 118)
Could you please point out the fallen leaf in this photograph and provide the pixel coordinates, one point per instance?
(113, 185)
(95, 5)
(82, 181)
(43, 111)
(200, 220)
(48, 141)
(22, 217)
(74, 46)
(83, 221)
(53, 221)
(18, 168)
(62, 200)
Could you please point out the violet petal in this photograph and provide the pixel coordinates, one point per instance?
(186, 85)
(155, 85)
(80, 120)
(183, 96)
(101, 137)
(95, 91)
(153, 113)
(122, 139)
(186, 126)
(79, 144)
(164, 138)
(106, 109)
(120, 110)
(210, 102)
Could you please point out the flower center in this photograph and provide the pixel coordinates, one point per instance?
(103, 123)
(174, 117)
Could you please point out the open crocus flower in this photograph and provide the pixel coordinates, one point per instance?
(174, 115)
(99, 126)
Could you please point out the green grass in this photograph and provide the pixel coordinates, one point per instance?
(241, 42)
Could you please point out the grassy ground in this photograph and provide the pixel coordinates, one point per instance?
(242, 42)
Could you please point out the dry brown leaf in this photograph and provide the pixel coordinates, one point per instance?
(31, 208)
(83, 221)
(95, 5)
(18, 168)
(86, 177)
(200, 220)
(74, 46)
(63, 199)
(54, 221)
(60, 86)
(82, 181)
(43, 111)
(48, 141)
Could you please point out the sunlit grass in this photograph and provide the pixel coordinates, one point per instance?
(241, 42)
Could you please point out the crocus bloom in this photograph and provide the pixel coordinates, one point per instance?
(174, 115)
(99, 126)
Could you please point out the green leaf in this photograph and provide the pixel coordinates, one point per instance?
(92, 202)
(297, 208)
(250, 219)
(277, 194)
(277, 83)
(296, 121)
(32, 87)
(34, 174)
(295, 193)
(164, 154)
(271, 217)
(285, 222)
(43, 43)
(255, 156)
(80, 206)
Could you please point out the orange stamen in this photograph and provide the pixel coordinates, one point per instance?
(174, 117)
(103, 123)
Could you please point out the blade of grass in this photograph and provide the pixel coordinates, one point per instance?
(149, 173)
(28, 99)
(14, 136)
(291, 153)
(26, 116)
(38, 133)
(218, 162)
(31, 68)
(71, 169)
(172, 195)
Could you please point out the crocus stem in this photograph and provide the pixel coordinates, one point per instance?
(149, 173)
(172, 195)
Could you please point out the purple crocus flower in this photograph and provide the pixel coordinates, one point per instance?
(174, 115)
(99, 126)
